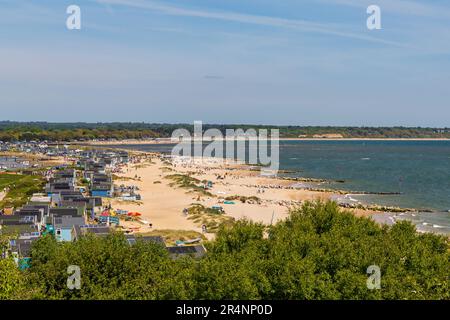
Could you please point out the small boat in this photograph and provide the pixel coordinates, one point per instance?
(218, 208)
(193, 241)
(134, 214)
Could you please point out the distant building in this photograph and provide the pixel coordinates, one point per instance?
(132, 239)
(101, 231)
(63, 226)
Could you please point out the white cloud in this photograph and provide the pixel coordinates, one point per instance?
(403, 7)
(299, 25)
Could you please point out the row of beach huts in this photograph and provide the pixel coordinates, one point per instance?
(72, 204)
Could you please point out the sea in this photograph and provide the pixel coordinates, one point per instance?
(408, 173)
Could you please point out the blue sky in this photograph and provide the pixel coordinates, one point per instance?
(299, 62)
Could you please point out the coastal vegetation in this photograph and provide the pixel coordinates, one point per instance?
(319, 252)
(29, 131)
(244, 199)
(19, 188)
(11, 279)
(123, 178)
(212, 218)
(188, 182)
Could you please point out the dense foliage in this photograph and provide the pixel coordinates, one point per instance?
(20, 188)
(11, 279)
(320, 252)
(42, 131)
(23, 131)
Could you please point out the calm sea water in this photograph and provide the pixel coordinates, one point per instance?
(418, 170)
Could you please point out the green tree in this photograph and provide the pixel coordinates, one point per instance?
(318, 252)
(11, 279)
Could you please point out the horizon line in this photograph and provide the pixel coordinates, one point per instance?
(222, 124)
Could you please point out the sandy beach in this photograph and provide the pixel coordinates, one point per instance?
(266, 199)
(170, 141)
(161, 204)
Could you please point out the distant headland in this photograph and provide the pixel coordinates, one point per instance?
(116, 131)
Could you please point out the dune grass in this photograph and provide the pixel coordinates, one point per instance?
(188, 182)
(209, 217)
(244, 199)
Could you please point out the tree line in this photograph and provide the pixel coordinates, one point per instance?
(319, 252)
(44, 131)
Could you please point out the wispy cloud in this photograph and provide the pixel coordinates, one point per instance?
(295, 24)
(403, 7)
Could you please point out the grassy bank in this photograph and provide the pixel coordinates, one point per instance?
(20, 188)
(213, 219)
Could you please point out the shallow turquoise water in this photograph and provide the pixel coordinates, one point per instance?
(419, 170)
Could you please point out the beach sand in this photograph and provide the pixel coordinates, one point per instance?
(170, 141)
(162, 202)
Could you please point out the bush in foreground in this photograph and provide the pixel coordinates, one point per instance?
(319, 252)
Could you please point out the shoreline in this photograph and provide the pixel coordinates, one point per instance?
(169, 140)
(237, 187)
(170, 187)
(167, 187)
(306, 184)
(337, 193)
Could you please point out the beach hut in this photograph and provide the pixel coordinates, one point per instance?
(63, 226)
(109, 220)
